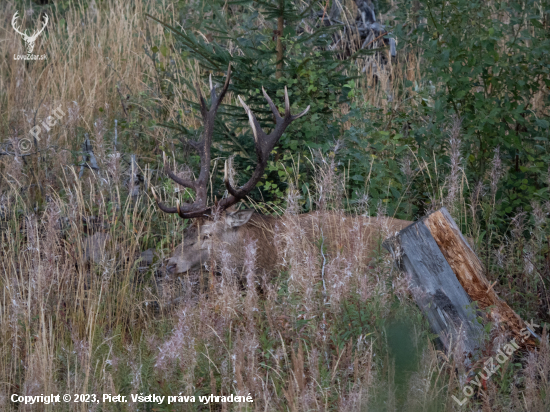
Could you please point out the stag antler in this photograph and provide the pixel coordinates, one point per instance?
(264, 145)
(199, 206)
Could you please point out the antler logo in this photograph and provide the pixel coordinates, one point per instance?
(29, 40)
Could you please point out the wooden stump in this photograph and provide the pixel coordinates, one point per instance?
(446, 276)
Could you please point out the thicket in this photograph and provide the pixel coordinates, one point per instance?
(459, 118)
(484, 67)
(471, 132)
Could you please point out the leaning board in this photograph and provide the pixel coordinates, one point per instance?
(446, 277)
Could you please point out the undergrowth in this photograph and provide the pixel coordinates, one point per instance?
(86, 305)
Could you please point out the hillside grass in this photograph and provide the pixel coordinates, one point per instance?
(110, 324)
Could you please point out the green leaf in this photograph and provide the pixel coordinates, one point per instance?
(395, 192)
(542, 123)
(537, 24)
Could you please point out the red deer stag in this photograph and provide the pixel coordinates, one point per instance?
(355, 237)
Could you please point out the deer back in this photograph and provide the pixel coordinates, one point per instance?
(224, 243)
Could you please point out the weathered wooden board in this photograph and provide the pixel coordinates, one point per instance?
(471, 274)
(446, 277)
(435, 287)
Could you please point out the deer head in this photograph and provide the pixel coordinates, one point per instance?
(202, 237)
(264, 144)
(29, 40)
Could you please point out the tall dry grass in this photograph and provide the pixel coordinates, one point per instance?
(81, 311)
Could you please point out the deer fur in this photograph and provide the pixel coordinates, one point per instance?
(351, 237)
(222, 240)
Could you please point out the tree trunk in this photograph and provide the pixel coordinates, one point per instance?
(280, 30)
(446, 276)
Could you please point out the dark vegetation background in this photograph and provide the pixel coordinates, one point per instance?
(458, 118)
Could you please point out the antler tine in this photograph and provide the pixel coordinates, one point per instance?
(154, 194)
(287, 109)
(213, 95)
(271, 104)
(178, 207)
(185, 211)
(234, 194)
(225, 177)
(202, 102)
(184, 182)
(264, 145)
(216, 100)
(287, 104)
(163, 207)
(297, 116)
(252, 119)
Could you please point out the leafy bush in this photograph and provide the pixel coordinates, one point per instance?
(489, 65)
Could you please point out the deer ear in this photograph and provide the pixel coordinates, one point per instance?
(231, 209)
(238, 218)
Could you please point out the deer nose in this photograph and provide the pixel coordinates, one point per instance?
(173, 267)
(170, 268)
